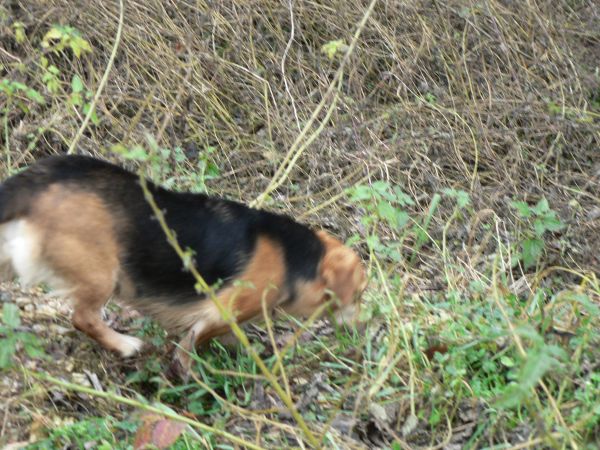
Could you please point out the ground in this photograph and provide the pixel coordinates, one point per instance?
(454, 144)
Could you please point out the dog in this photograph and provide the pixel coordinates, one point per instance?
(84, 227)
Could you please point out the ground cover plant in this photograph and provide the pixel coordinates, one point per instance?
(455, 144)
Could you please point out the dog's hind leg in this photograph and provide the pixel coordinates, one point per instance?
(79, 247)
(91, 279)
(87, 317)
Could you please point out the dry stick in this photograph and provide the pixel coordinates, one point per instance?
(276, 352)
(285, 53)
(140, 405)
(297, 149)
(103, 81)
(227, 316)
(384, 374)
(330, 200)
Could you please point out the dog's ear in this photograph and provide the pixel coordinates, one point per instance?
(342, 270)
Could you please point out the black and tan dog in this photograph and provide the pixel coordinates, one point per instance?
(84, 226)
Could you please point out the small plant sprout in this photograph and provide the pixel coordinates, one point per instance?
(538, 220)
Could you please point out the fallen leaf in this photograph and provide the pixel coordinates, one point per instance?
(158, 432)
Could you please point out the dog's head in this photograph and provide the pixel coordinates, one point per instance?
(340, 281)
(344, 276)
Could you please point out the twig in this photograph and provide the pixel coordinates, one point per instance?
(285, 53)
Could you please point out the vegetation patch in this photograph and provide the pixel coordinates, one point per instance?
(454, 144)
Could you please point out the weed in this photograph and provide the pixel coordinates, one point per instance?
(13, 339)
(538, 220)
(60, 37)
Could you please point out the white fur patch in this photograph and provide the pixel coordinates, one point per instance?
(129, 345)
(21, 249)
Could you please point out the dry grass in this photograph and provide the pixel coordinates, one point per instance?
(500, 99)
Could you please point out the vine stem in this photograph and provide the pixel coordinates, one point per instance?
(299, 145)
(103, 81)
(137, 404)
(227, 316)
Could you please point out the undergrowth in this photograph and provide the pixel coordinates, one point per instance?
(453, 144)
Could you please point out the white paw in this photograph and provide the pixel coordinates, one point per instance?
(129, 345)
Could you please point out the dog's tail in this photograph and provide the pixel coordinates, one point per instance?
(17, 192)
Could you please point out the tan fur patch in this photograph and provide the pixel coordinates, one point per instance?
(262, 280)
(77, 237)
(75, 233)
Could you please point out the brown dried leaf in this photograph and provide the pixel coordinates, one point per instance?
(158, 432)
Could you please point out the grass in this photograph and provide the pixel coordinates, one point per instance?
(454, 144)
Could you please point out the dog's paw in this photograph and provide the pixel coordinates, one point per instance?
(129, 345)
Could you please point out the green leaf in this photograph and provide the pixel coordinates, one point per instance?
(332, 47)
(531, 249)
(76, 84)
(76, 48)
(137, 153)
(93, 117)
(522, 207)
(541, 207)
(360, 192)
(403, 198)
(507, 362)
(34, 95)
(537, 363)
(553, 224)
(33, 350)
(387, 212)
(585, 301)
(462, 197)
(19, 86)
(212, 170)
(10, 315)
(373, 242)
(7, 350)
(512, 396)
(548, 222)
(402, 218)
(19, 28)
(381, 187)
(79, 45)
(54, 33)
(76, 99)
